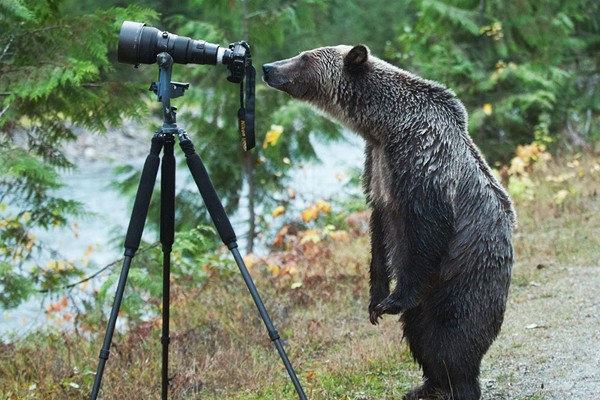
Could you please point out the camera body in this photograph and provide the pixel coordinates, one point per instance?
(237, 60)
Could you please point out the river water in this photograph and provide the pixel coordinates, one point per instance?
(97, 239)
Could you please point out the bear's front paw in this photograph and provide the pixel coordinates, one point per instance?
(388, 306)
(373, 314)
(376, 298)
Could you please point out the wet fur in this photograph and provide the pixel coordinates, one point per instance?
(441, 223)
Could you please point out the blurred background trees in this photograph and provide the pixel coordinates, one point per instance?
(527, 72)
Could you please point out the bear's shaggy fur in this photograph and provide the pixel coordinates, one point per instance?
(441, 223)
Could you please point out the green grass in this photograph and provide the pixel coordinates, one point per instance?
(220, 348)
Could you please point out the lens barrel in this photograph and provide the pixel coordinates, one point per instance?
(140, 44)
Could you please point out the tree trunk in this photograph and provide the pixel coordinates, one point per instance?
(248, 157)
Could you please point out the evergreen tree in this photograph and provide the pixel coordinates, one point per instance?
(527, 71)
(55, 75)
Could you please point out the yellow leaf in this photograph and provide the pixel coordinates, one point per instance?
(311, 235)
(517, 166)
(281, 236)
(323, 206)
(340, 176)
(487, 109)
(341, 236)
(310, 214)
(88, 251)
(250, 260)
(274, 268)
(560, 196)
(530, 152)
(296, 285)
(278, 211)
(272, 136)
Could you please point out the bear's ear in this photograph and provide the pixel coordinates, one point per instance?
(358, 55)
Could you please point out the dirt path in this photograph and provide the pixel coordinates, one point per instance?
(549, 347)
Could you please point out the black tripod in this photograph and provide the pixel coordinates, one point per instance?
(165, 139)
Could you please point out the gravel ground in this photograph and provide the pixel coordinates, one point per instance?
(549, 347)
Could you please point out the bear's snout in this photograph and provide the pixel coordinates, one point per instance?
(270, 70)
(283, 75)
(272, 76)
(267, 68)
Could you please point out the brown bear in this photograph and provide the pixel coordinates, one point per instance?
(441, 223)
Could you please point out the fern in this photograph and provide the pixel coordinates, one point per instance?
(463, 18)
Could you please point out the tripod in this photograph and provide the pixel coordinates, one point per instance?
(164, 139)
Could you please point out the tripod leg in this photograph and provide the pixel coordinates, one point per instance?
(167, 237)
(132, 243)
(223, 225)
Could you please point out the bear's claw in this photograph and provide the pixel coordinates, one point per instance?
(387, 306)
(374, 316)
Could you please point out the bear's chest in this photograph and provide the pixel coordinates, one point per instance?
(381, 182)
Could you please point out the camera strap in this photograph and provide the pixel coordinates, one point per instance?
(246, 112)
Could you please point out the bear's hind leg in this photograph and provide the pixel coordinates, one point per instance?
(448, 382)
(425, 391)
(449, 358)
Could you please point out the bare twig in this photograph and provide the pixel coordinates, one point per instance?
(97, 273)
(588, 122)
(575, 138)
(10, 40)
(4, 110)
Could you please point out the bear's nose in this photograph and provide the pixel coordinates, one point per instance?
(267, 68)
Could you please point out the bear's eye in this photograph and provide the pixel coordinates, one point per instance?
(304, 58)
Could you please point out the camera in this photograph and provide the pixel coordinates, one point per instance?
(140, 44)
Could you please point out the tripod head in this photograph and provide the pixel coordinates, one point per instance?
(166, 90)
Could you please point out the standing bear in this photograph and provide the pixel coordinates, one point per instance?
(441, 224)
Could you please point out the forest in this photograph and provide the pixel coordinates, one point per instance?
(528, 73)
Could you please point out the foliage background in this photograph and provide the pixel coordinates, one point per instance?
(527, 71)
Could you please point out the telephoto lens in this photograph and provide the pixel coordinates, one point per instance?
(140, 44)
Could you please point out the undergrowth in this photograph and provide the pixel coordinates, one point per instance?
(315, 287)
